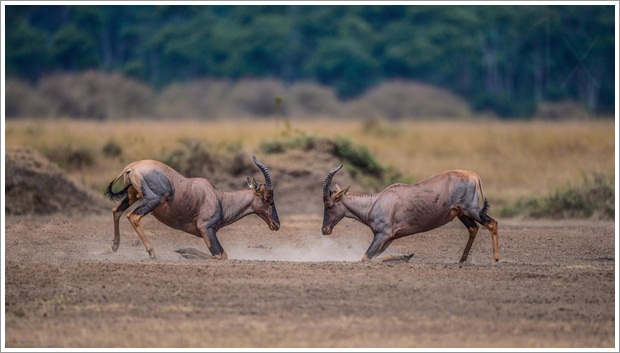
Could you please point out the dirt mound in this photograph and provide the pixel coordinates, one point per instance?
(298, 178)
(34, 185)
(298, 173)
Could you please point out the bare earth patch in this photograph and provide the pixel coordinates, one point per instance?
(34, 185)
(553, 287)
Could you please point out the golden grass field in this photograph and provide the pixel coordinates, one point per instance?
(514, 159)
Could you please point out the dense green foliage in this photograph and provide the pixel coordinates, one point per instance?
(506, 59)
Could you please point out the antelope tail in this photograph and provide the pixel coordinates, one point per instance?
(115, 196)
(485, 207)
(483, 212)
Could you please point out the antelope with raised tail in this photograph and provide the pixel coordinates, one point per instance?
(192, 205)
(400, 210)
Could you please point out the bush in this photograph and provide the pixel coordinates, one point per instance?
(97, 95)
(359, 159)
(397, 100)
(23, 100)
(505, 107)
(310, 99)
(593, 198)
(252, 97)
(112, 149)
(71, 158)
(562, 110)
(197, 159)
(203, 99)
(191, 160)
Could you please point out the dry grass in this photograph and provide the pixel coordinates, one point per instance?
(516, 159)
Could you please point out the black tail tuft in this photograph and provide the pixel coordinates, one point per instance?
(115, 196)
(483, 212)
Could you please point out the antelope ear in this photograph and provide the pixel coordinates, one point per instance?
(341, 194)
(256, 184)
(253, 184)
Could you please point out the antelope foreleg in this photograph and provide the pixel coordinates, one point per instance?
(379, 243)
(216, 249)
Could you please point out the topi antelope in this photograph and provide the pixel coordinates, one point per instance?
(401, 210)
(192, 205)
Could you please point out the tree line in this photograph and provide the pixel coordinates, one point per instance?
(504, 59)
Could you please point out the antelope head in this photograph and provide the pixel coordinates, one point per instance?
(263, 204)
(334, 210)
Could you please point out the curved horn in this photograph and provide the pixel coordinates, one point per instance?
(328, 180)
(261, 166)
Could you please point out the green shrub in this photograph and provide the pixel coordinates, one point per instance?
(197, 159)
(358, 157)
(593, 198)
(190, 159)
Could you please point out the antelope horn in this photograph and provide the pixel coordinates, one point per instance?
(328, 180)
(261, 166)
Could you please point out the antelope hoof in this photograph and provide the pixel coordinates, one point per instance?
(114, 246)
(407, 257)
(222, 256)
(152, 254)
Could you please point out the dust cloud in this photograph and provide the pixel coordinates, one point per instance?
(306, 249)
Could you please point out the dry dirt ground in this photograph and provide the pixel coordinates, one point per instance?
(554, 286)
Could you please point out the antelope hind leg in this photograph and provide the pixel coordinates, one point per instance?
(117, 212)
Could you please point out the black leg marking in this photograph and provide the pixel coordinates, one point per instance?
(116, 213)
(376, 246)
(124, 205)
(147, 205)
(214, 244)
(472, 228)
